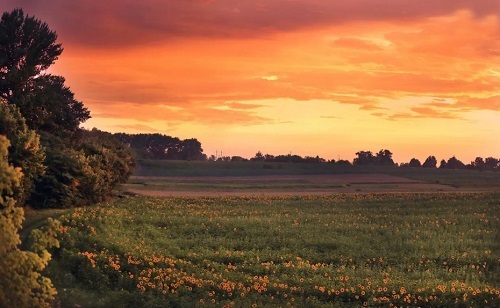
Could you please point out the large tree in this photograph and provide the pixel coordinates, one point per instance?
(27, 49)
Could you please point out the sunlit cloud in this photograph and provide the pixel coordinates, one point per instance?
(318, 69)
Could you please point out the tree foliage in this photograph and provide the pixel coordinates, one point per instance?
(83, 172)
(430, 162)
(51, 107)
(21, 283)
(158, 146)
(27, 48)
(109, 162)
(415, 163)
(366, 158)
(25, 150)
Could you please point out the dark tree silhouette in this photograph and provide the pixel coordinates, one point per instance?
(157, 146)
(430, 162)
(343, 162)
(27, 48)
(414, 163)
(51, 107)
(384, 158)
(258, 157)
(454, 163)
(478, 163)
(491, 163)
(191, 150)
(364, 158)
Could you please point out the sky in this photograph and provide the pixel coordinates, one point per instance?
(306, 77)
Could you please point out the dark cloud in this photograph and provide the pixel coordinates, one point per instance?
(114, 23)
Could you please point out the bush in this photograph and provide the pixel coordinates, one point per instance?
(21, 283)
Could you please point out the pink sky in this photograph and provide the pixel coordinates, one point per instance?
(313, 77)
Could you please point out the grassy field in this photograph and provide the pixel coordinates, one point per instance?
(309, 251)
(474, 179)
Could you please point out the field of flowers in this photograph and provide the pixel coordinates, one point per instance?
(359, 250)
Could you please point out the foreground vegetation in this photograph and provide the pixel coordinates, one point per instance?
(380, 249)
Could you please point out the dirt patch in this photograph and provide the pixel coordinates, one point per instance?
(274, 185)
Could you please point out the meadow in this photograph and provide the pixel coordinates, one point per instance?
(429, 249)
(457, 178)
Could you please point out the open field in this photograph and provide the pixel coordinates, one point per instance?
(250, 235)
(181, 178)
(280, 184)
(430, 249)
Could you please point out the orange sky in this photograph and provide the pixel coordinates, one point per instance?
(310, 77)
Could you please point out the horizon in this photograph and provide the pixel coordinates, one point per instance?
(319, 78)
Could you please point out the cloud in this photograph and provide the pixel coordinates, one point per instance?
(351, 43)
(210, 61)
(236, 105)
(200, 114)
(484, 103)
(123, 23)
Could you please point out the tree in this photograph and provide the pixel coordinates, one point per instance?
(491, 163)
(27, 48)
(190, 149)
(343, 162)
(65, 170)
(478, 163)
(258, 157)
(364, 158)
(21, 283)
(108, 163)
(25, 150)
(454, 163)
(430, 162)
(443, 165)
(414, 163)
(384, 158)
(51, 107)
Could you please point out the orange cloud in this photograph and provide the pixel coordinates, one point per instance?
(115, 24)
(192, 64)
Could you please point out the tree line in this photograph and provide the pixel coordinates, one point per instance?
(159, 146)
(369, 158)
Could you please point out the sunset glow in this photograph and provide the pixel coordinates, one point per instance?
(314, 77)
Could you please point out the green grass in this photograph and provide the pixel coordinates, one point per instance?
(374, 249)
